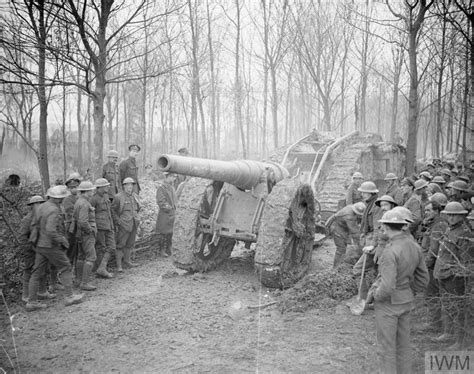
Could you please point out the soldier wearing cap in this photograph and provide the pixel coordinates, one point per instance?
(393, 189)
(28, 238)
(453, 269)
(128, 168)
(344, 229)
(105, 239)
(125, 208)
(353, 194)
(166, 201)
(110, 171)
(50, 248)
(86, 231)
(402, 273)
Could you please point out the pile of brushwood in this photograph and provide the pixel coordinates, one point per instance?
(13, 208)
(322, 290)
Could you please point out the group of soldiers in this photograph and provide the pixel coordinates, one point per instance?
(80, 225)
(416, 236)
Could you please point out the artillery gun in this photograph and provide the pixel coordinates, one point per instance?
(248, 201)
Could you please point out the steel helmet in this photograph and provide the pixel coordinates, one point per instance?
(393, 217)
(368, 187)
(464, 178)
(358, 208)
(440, 198)
(454, 208)
(113, 153)
(426, 174)
(433, 187)
(35, 199)
(445, 172)
(386, 198)
(101, 182)
(390, 176)
(128, 181)
(408, 182)
(73, 177)
(439, 179)
(405, 212)
(58, 192)
(420, 183)
(86, 186)
(357, 175)
(459, 185)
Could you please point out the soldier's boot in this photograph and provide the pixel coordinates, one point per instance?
(86, 284)
(126, 258)
(35, 305)
(102, 269)
(446, 323)
(24, 294)
(73, 299)
(118, 259)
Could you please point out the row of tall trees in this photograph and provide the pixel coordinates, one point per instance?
(234, 79)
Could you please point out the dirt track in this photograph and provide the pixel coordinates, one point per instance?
(152, 319)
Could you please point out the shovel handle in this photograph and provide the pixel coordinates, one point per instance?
(363, 272)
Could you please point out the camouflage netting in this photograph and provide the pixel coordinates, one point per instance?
(148, 210)
(322, 290)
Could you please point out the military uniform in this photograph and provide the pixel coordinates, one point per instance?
(397, 194)
(128, 169)
(28, 254)
(110, 171)
(68, 205)
(125, 208)
(86, 230)
(415, 206)
(402, 272)
(166, 200)
(105, 239)
(50, 248)
(353, 196)
(344, 228)
(454, 268)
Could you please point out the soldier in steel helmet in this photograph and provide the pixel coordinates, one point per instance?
(375, 249)
(414, 191)
(86, 231)
(105, 239)
(454, 269)
(125, 208)
(128, 168)
(50, 247)
(402, 273)
(28, 239)
(344, 229)
(72, 183)
(353, 194)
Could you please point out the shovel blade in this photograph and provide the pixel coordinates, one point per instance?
(357, 307)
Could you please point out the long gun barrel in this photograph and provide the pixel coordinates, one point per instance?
(243, 174)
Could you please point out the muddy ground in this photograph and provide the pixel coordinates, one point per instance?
(154, 319)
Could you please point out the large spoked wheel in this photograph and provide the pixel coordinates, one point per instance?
(193, 249)
(285, 239)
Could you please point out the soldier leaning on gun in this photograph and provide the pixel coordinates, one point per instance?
(454, 269)
(105, 240)
(166, 200)
(28, 239)
(86, 231)
(125, 208)
(51, 247)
